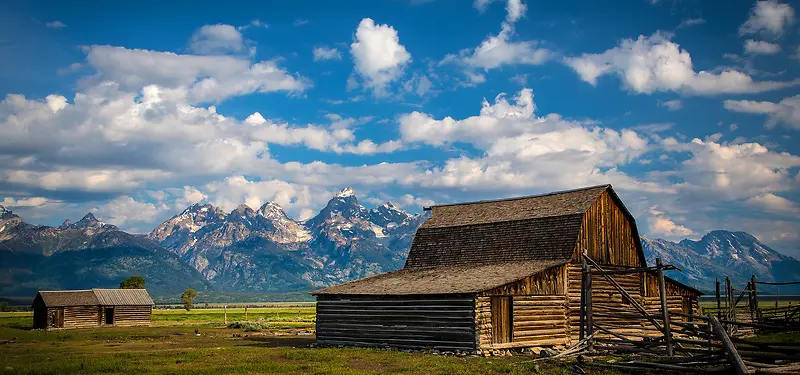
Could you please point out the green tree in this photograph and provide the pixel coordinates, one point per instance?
(133, 282)
(187, 298)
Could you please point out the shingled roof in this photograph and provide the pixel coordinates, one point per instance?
(458, 279)
(96, 297)
(539, 227)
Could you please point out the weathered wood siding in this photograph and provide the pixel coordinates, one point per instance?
(607, 235)
(537, 321)
(549, 282)
(415, 322)
(128, 316)
(81, 316)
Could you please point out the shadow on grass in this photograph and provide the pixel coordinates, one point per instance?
(279, 341)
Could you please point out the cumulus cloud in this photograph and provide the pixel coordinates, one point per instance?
(786, 112)
(655, 63)
(774, 203)
(378, 56)
(124, 210)
(23, 202)
(196, 78)
(758, 47)
(769, 18)
(324, 53)
(215, 39)
(660, 225)
(235, 190)
(499, 50)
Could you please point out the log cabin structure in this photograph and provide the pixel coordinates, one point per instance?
(498, 274)
(65, 309)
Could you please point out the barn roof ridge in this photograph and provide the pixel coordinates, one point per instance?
(428, 208)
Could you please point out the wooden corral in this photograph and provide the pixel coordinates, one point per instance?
(67, 309)
(513, 265)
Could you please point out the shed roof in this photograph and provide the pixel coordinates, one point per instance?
(456, 279)
(123, 297)
(62, 298)
(96, 297)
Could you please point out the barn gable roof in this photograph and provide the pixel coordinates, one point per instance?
(539, 227)
(457, 279)
(96, 297)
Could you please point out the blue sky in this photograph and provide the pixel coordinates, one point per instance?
(135, 110)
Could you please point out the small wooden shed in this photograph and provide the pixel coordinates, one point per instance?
(495, 275)
(92, 308)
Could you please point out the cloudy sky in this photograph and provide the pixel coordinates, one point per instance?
(134, 110)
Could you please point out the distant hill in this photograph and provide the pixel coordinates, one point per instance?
(85, 254)
(722, 253)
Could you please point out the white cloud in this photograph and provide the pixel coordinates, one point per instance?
(768, 17)
(419, 84)
(672, 105)
(655, 63)
(409, 201)
(660, 225)
(55, 25)
(300, 22)
(254, 24)
(198, 78)
(378, 55)
(124, 210)
(499, 50)
(758, 47)
(23, 202)
(785, 112)
(324, 53)
(689, 22)
(774, 203)
(294, 198)
(216, 39)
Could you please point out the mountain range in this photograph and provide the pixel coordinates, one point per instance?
(264, 251)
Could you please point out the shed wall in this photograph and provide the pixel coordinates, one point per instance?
(444, 322)
(537, 321)
(81, 316)
(129, 316)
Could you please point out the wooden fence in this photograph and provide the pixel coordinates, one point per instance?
(665, 338)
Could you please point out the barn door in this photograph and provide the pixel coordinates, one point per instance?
(502, 319)
(59, 320)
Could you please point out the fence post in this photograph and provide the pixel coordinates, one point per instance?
(755, 294)
(728, 294)
(225, 312)
(662, 291)
(719, 303)
(589, 326)
(583, 299)
(245, 312)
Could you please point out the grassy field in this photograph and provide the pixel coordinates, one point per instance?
(173, 347)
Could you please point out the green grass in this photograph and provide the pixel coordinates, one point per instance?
(171, 347)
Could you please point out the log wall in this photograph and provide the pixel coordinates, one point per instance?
(548, 282)
(414, 322)
(608, 236)
(537, 321)
(129, 316)
(81, 316)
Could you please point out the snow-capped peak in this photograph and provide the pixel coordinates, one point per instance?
(89, 218)
(346, 192)
(272, 210)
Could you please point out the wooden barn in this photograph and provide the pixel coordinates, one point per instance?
(496, 275)
(92, 308)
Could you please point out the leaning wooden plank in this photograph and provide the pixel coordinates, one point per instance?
(735, 359)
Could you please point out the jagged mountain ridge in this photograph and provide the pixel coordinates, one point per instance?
(264, 250)
(84, 254)
(723, 253)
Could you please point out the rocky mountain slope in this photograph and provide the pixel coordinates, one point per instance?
(264, 250)
(82, 255)
(722, 253)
